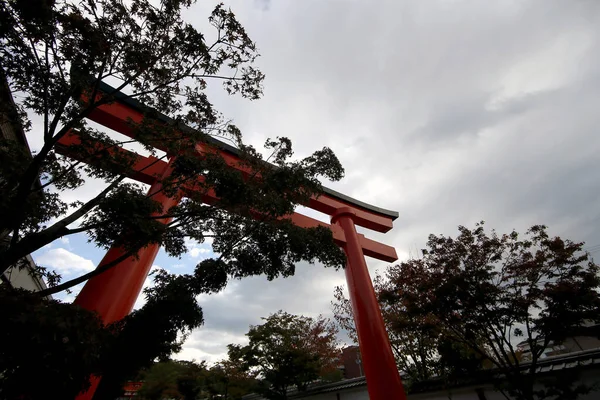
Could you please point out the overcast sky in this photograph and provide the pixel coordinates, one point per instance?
(449, 112)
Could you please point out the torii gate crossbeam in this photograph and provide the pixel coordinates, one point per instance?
(113, 293)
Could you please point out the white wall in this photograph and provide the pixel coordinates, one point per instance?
(21, 277)
(361, 394)
(591, 377)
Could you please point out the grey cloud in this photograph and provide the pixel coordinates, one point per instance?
(448, 112)
(229, 314)
(264, 5)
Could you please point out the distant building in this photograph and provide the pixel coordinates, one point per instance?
(24, 277)
(352, 363)
(585, 339)
(479, 387)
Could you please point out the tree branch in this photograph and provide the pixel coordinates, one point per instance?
(48, 235)
(100, 269)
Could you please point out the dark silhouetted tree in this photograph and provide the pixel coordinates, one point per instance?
(487, 291)
(412, 338)
(288, 351)
(420, 347)
(171, 379)
(229, 380)
(58, 344)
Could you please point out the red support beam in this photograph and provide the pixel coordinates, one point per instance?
(147, 169)
(112, 294)
(119, 117)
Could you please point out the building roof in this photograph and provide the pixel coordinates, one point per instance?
(319, 388)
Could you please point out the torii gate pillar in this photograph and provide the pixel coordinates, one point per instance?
(112, 294)
(383, 379)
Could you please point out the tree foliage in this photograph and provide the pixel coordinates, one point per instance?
(420, 347)
(55, 54)
(227, 379)
(54, 58)
(160, 381)
(65, 344)
(288, 351)
(188, 380)
(155, 331)
(170, 379)
(487, 291)
(412, 338)
(41, 358)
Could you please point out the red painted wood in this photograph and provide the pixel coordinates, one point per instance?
(383, 379)
(146, 169)
(112, 294)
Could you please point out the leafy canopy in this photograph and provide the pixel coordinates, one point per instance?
(415, 340)
(55, 54)
(188, 380)
(229, 380)
(485, 292)
(174, 380)
(288, 351)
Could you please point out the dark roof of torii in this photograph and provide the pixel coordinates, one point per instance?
(133, 103)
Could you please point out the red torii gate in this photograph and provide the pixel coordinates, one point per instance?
(112, 294)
